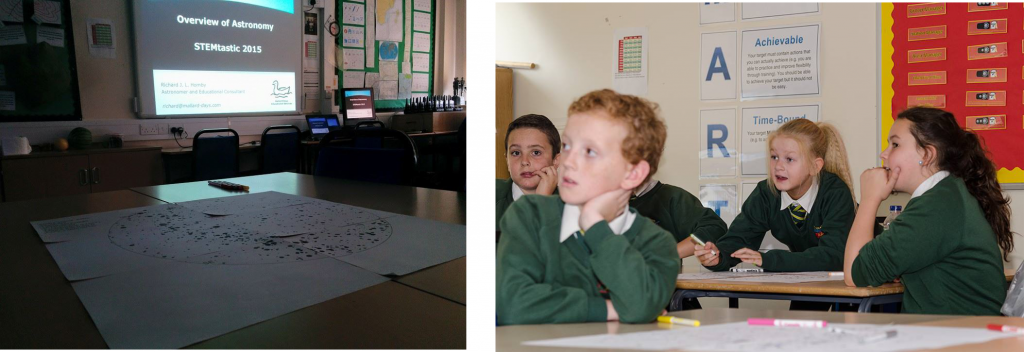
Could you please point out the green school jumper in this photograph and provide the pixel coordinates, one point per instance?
(817, 245)
(679, 212)
(502, 200)
(943, 250)
(541, 280)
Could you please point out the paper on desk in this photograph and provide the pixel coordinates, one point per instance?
(313, 217)
(406, 244)
(173, 306)
(84, 227)
(158, 234)
(743, 337)
(788, 277)
(238, 204)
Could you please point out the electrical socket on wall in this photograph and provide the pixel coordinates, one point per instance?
(153, 129)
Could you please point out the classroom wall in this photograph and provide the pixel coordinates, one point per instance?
(571, 46)
(106, 88)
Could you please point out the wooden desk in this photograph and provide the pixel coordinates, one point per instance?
(39, 308)
(433, 204)
(510, 338)
(447, 280)
(820, 291)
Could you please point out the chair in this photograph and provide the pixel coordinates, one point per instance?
(214, 157)
(369, 142)
(279, 151)
(390, 158)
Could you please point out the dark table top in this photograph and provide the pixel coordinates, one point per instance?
(425, 309)
(426, 203)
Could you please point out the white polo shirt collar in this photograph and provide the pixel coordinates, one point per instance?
(571, 222)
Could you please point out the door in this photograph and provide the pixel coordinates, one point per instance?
(503, 117)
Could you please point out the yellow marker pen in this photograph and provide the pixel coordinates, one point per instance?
(679, 321)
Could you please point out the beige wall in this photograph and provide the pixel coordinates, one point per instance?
(570, 45)
(106, 86)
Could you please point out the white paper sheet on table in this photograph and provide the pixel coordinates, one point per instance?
(796, 277)
(173, 306)
(167, 276)
(245, 203)
(743, 337)
(84, 226)
(413, 244)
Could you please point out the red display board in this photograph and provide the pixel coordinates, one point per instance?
(966, 58)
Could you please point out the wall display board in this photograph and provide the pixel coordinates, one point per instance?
(392, 43)
(38, 77)
(965, 58)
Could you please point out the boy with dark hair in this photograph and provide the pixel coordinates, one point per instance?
(531, 149)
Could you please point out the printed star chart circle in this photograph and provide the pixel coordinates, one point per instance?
(279, 235)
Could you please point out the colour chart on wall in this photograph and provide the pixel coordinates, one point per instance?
(966, 58)
(387, 45)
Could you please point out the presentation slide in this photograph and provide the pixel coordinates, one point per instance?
(358, 104)
(216, 57)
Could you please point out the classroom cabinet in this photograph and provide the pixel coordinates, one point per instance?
(50, 174)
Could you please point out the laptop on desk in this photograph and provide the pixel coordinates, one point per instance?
(320, 125)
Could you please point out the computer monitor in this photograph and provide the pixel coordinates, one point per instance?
(320, 125)
(357, 105)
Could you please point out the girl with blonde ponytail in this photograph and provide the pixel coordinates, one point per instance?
(949, 243)
(806, 202)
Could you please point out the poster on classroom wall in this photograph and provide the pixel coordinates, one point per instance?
(966, 58)
(781, 62)
(629, 69)
(717, 149)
